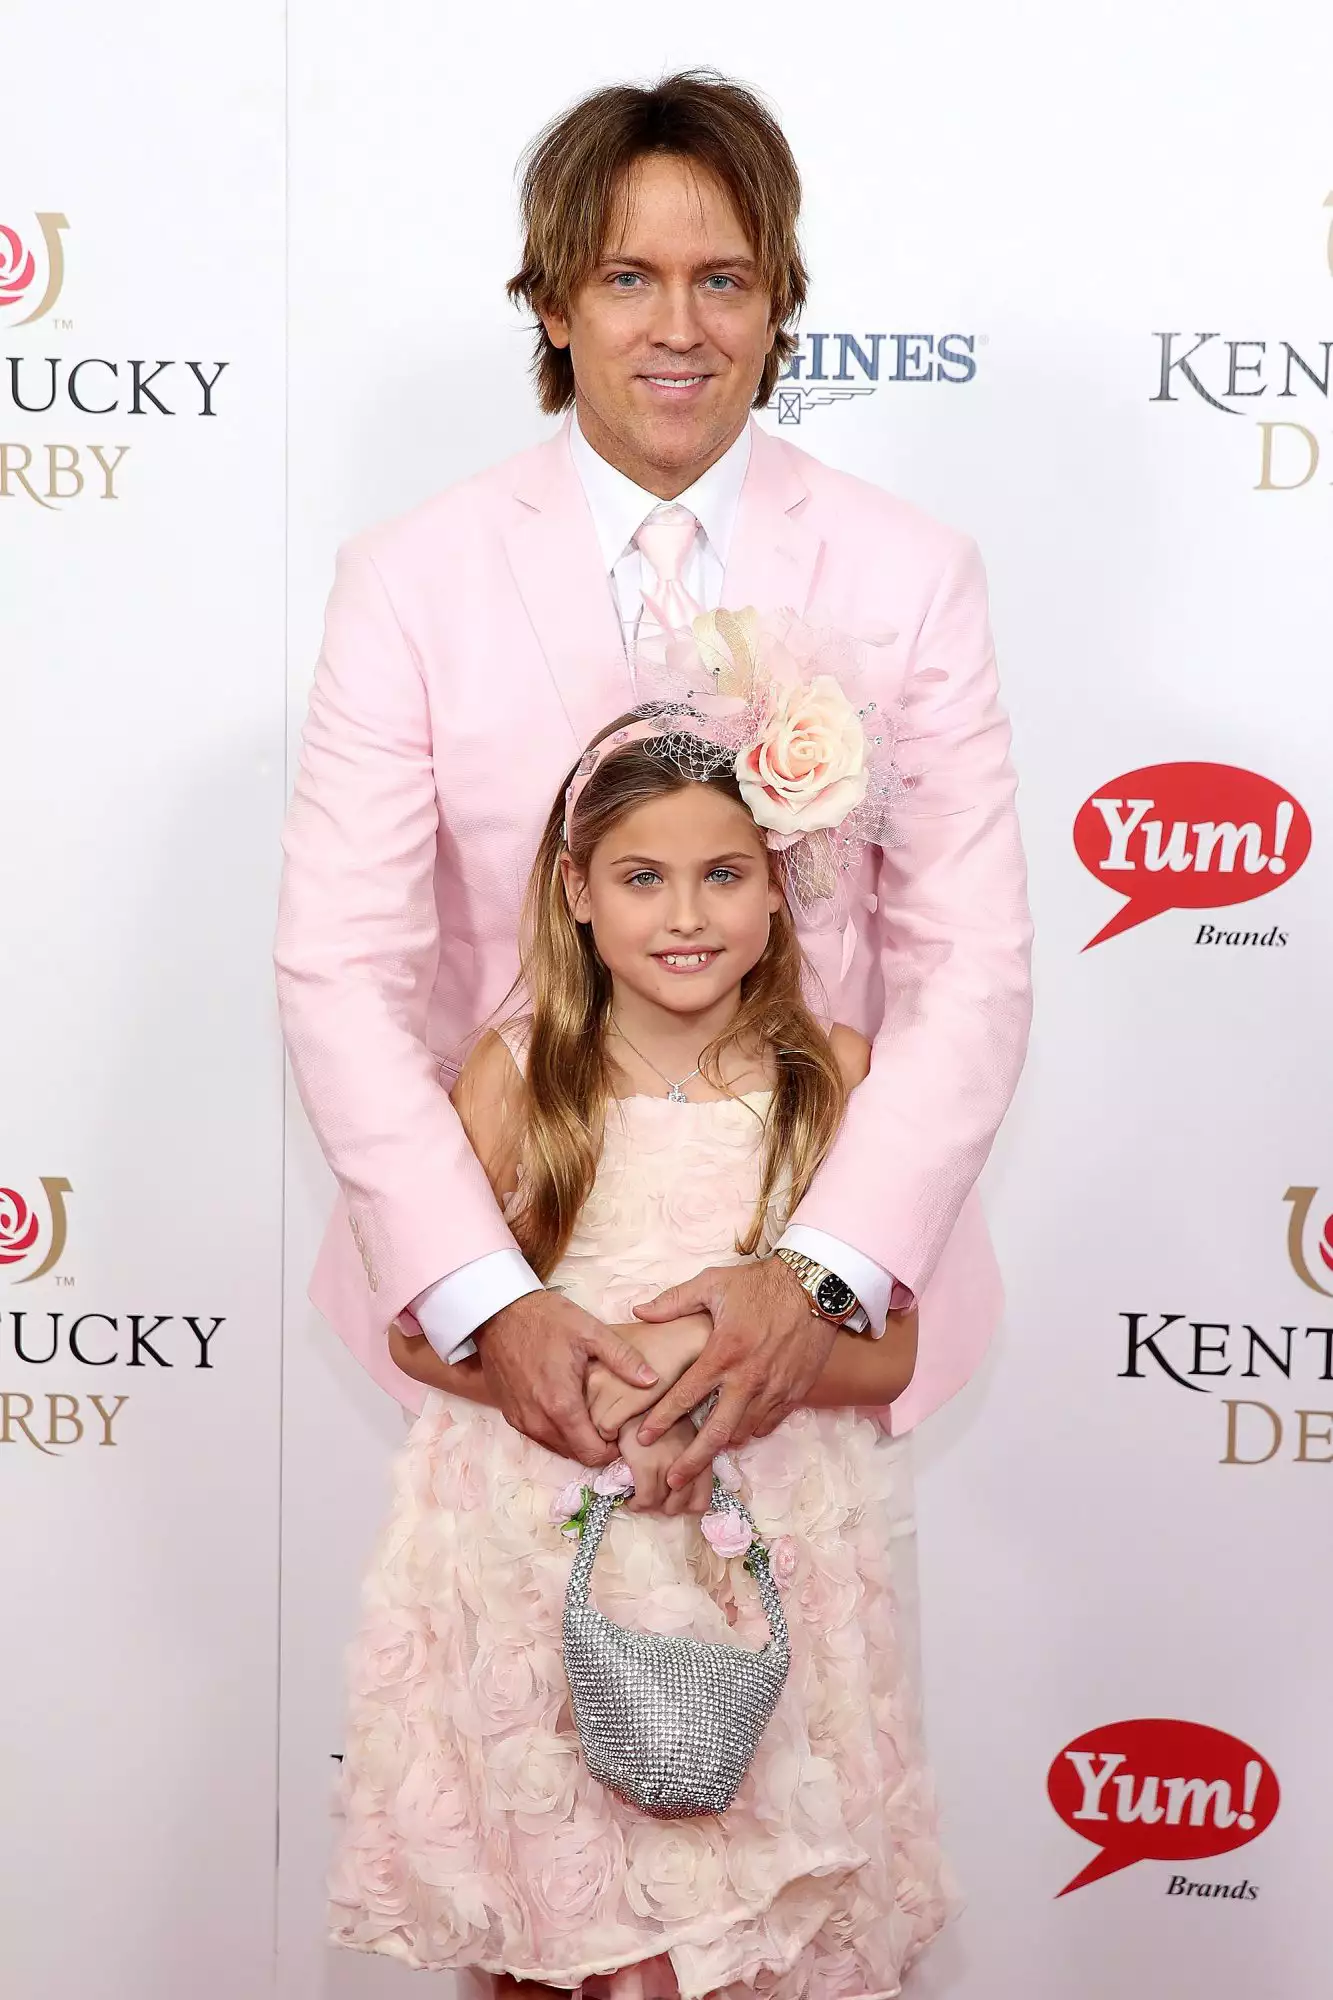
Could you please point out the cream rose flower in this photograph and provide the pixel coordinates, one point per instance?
(706, 1203)
(390, 1651)
(370, 1876)
(573, 1872)
(674, 1872)
(505, 1687)
(808, 769)
(532, 1774)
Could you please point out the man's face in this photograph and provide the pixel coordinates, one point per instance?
(668, 334)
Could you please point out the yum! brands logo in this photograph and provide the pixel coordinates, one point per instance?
(72, 395)
(1157, 1789)
(1191, 837)
(32, 268)
(1288, 381)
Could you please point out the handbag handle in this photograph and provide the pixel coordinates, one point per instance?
(723, 1501)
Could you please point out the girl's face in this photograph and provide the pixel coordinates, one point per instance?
(679, 896)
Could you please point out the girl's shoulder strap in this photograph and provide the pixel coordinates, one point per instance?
(516, 1035)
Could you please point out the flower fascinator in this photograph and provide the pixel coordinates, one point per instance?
(782, 704)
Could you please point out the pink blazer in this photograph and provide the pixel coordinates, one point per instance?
(471, 649)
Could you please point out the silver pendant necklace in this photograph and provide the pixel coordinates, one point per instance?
(676, 1090)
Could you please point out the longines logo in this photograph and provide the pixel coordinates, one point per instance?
(1230, 375)
(55, 473)
(1279, 1358)
(34, 1245)
(840, 367)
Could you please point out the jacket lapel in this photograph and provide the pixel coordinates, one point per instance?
(774, 549)
(557, 566)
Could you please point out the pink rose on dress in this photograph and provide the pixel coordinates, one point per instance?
(570, 1872)
(673, 1872)
(808, 769)
(567, 1501)
(705, 1202)
(782, 1558)
(729, 1534)
(615, 1480)
(389, 1652)
(370, 1876)
(532, 1774)
(504, 1687)
(727, 1471)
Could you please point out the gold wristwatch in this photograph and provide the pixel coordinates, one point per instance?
(830, 1296)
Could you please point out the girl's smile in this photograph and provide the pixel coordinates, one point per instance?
(679, 896)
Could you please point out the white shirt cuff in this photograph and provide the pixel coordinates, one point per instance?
(450, 1311)
(872, 1284)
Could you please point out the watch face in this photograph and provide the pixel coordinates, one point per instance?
(833, 1296)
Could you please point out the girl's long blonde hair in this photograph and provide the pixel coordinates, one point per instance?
(568, 1081)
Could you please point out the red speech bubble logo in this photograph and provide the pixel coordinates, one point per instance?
(1188, 837)
(1160, 1790)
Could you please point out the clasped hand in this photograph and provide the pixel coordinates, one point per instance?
(745, 1330)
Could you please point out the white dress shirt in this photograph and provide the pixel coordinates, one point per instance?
(449, 1311)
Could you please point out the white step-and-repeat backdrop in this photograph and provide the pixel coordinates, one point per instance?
(1073, 291)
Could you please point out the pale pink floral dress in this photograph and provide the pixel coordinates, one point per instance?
(473, 1836)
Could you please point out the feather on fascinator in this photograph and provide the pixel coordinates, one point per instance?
(780, 703)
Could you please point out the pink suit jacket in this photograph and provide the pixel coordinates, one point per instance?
(471, 650)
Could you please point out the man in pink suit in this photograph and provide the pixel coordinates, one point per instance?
(471, 651)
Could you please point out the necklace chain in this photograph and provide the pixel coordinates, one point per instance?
(676, 1090)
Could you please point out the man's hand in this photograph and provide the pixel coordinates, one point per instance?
(669, 1350)
(766, 1349)
(535, 1355)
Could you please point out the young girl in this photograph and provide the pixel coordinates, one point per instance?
(660, 956)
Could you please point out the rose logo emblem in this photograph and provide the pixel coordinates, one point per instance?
(18, 1227)
(18, 267)
(1300, 1232)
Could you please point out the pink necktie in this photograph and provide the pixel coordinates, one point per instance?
(665, 540)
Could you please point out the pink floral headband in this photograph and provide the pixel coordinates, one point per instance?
(770, 698)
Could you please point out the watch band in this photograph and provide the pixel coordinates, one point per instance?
(831, 1297)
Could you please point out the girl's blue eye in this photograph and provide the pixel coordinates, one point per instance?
(729, 873)
(643, 875)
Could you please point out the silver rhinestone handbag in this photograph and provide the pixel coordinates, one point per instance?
(669, 1724)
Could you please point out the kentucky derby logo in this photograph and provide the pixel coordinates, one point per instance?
(1204, 369)
(1310, 1246)
(839, 367)
(32, 268)
(27, 1236)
